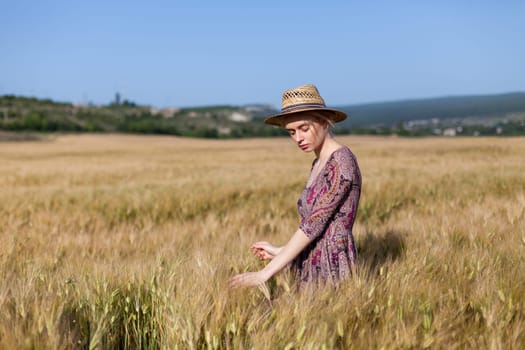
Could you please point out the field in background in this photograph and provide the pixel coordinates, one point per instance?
(127, 242)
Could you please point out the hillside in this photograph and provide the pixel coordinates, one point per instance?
(502, 114)
(31, 114)
(482, 113)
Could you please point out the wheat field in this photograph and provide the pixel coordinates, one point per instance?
(124, 242)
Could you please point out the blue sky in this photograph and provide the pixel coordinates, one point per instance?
(190, 53)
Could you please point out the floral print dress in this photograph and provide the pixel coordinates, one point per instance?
(328, 209)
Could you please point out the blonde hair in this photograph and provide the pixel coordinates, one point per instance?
(321, 116)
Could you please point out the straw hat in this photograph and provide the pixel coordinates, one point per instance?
(302, 99)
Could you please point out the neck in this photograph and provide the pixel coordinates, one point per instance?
(326, 148)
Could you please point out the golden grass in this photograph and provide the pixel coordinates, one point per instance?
(127, 242)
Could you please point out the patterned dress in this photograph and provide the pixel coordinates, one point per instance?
(328, 208)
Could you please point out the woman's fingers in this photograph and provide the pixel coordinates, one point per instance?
(268, 247)
(258, 252)
(263, 255)
(263, 250)
(261, 245)
(247, 279)
(234, 281)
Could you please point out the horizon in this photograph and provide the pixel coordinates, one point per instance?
(179, 55)
(139, 104)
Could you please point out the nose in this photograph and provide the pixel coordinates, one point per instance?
(298, 137)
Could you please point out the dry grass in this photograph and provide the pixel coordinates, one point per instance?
(127, 242)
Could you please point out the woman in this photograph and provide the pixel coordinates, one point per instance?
(322, 250)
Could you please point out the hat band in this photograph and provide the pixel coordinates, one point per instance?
(302, 106)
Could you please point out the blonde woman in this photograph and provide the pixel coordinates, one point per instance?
(322, 250)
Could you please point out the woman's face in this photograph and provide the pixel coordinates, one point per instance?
(308, 132)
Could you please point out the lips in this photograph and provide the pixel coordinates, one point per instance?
(303, 147)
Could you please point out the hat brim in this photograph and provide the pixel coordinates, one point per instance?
(334, 115)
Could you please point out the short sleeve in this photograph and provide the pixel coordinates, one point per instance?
(330, 194)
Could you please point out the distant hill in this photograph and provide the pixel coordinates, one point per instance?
(502, 114)
(460, 107)
(23, 114)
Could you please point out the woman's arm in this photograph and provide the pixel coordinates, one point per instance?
(295, 245)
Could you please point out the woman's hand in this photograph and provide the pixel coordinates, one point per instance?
(248, 279)
(280, 258)
(265, 250)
